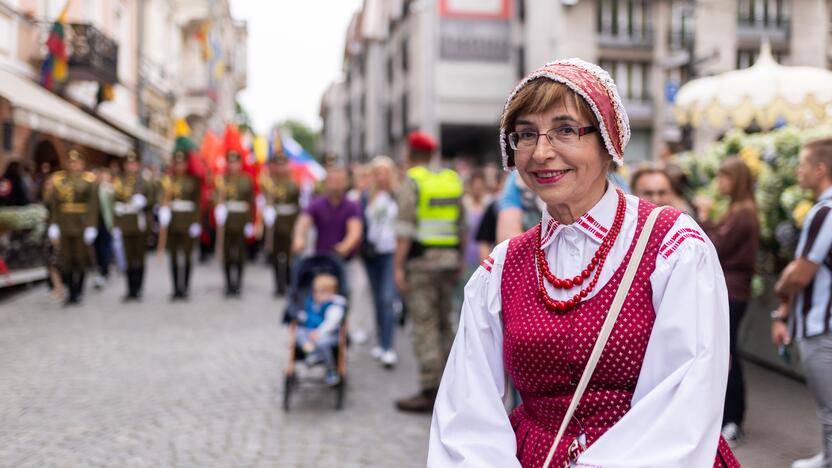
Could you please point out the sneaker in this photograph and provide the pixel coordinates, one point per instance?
(359, 336)
(389, 358)
(332, 378)
(376, 352)
(733, 434)
(818, 461)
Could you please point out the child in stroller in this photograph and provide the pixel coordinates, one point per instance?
(318, 324)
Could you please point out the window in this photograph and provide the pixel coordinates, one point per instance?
(632, 78)
(405, 57)
(763, 12)
(747, 57)
(404, 114)
(626, 18)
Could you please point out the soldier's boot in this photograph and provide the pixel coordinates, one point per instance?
(139, 281)
(187, 279)
(79, 286)
(279, 284)
(229, 287)
(66, 278)
(128, 275)
(174, 273)
(422, 402)
(238, 281)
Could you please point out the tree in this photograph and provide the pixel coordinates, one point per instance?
(241, 118)
(304, 135)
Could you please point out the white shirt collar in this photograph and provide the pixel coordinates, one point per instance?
(827, 194)
(594, 224)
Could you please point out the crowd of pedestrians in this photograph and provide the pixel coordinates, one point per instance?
(410, 238)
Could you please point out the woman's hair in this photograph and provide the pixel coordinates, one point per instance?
(385, 162)
(742, 182)
(540, 95)
(649, 169)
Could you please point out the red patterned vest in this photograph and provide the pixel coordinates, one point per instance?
(545, 352)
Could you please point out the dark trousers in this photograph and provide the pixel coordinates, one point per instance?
(735, 394)
(103, 250)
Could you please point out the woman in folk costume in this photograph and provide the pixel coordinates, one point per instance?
(610, 317)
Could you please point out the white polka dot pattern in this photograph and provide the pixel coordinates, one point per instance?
(545, 352)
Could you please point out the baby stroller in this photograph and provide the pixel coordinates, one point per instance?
(303, 272)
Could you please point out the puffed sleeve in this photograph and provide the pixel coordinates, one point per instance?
(676, 412)
(470, 426)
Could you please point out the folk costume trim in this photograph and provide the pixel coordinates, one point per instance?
(597, 88)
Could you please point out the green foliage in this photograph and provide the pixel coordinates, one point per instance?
(303, 134)
(772, 158)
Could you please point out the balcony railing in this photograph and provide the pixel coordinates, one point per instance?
(91, 55)
(680, 40)
(624, 39)
(752, 30)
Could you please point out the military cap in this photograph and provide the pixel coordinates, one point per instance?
(132, 157)
(279, 157)
(232, 156)
(75, 155)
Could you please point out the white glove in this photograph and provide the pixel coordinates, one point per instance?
(138, 201)
(221, 214)
(194, 230)
(54, 232)
(248, 230)
(260, 201)
(269, 215)
(164, 216)
(90, 233)
(116, 232)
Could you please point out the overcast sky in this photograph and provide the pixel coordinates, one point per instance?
(295, 49)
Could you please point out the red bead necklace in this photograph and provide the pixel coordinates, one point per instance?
(595, 265)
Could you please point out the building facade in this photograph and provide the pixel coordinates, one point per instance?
(160, 59)
(449, 64)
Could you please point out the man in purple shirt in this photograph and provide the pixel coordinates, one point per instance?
(336, 219)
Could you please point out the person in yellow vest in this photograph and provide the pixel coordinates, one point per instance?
(132, 193)
(179, 220)
(430, 231)
(281, 206)
(234, 214)
(74, 212)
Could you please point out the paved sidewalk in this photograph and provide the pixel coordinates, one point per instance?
(199, 384)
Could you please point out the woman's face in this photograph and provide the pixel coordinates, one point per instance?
(723, 183)
(381, 174)
(564, 174)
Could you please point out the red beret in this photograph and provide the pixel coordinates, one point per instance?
(421, 141)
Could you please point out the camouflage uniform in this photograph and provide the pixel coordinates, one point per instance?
(283, 196)
(432, 274)
(74, 210)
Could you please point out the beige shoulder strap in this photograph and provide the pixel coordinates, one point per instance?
(606, 329)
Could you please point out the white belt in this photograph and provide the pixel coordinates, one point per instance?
(182, 205)
(122, 209)
(286, 209)
(237, 206)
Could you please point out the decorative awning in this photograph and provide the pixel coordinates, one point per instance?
(39, 109)
(765, 93)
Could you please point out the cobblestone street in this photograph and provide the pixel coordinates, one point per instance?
(199, 384)
(185, 384)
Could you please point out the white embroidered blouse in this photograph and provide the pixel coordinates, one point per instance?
(676, 411)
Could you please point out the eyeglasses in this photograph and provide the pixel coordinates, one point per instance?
(526, 140)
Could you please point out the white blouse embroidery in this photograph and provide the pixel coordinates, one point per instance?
(676, 412)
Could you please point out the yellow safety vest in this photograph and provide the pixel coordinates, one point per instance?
(438, 210)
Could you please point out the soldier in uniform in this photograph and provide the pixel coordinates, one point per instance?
(74, 211)
(281, 207)
(179, 218)
(428, 261)
(131, 193)
(234, 215)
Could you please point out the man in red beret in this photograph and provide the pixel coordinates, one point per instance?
(430, 231)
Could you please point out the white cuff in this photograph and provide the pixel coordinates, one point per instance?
(269, 216)
(220, 214)
(164, 216)
(54, 232)
(194, 230)
(90, 233)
